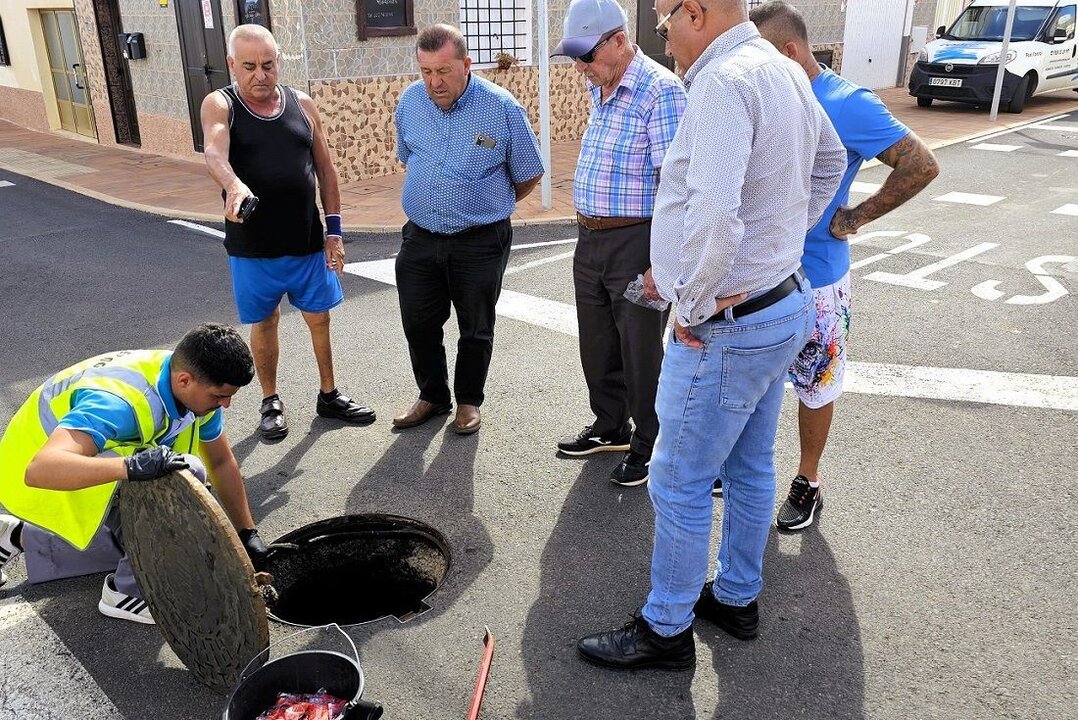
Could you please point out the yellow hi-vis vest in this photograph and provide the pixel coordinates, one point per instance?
(76, 515)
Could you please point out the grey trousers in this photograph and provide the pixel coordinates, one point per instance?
(621, 343)
(50, 557)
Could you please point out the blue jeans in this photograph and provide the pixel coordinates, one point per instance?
(718, 413)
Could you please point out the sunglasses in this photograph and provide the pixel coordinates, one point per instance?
(661, 29)
(589, 56)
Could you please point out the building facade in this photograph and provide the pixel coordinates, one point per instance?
(134, 72)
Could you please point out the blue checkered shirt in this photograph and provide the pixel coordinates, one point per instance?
(455, 179)
(622, 150)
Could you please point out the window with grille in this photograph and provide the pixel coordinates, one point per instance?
(493, 27)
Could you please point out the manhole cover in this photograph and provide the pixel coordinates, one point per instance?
(355, 569)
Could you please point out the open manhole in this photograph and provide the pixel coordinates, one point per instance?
(355, 569)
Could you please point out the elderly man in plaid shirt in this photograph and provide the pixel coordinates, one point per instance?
(636, 105)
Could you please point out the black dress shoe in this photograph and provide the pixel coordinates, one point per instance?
(273, 425)
(342, 407)
(636, 645)
(741, 622)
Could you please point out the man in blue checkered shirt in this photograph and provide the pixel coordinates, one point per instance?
(636, 105)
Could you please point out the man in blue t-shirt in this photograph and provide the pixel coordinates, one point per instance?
(867, 130)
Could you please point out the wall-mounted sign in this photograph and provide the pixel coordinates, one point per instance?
(207, 15)
(254, 12)
(380, 18)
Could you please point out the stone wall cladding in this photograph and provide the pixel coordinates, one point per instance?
(166, 135)
(25, 108)
(157, 81)
(357, 114)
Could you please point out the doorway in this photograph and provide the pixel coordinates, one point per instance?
(652, 45)
(202, 45)
(68, 72)
(872, 42)
(117, 73)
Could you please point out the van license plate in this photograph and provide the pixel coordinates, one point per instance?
(946, 82)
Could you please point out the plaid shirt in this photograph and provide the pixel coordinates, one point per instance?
(622, 150)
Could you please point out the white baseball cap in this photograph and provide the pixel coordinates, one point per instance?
(586, 23)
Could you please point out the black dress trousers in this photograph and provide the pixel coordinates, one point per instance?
(463, 271)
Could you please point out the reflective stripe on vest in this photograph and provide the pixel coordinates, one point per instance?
(53, 388)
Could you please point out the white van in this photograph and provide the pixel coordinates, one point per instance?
(962, 64)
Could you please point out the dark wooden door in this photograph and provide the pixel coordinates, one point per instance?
(652, 45)
(117, 73)
(202, 45)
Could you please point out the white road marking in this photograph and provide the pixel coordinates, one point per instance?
(548, 243)
(5, 183)
(200, 228)
(40, 678)
(915, 240)
(864, 187)
(1053, 289)
(541, 261)
(1032, 123)
(955, 384)
(1058, 127)
(1068, 209)
(916, 278)
(1069, 153)
(996, 148)
(969, 198)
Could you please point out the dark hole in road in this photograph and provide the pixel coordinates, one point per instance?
(355, 569)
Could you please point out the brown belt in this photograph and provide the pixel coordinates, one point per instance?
(608, 223)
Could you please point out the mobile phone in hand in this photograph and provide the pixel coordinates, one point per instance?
(247, 207)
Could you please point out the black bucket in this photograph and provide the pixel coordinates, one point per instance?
(302, 672)
(356, 569)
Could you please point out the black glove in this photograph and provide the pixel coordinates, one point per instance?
(153, 463)
(256, 549)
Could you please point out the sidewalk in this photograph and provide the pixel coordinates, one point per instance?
(182, 189)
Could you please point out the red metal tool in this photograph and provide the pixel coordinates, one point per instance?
(484, 672)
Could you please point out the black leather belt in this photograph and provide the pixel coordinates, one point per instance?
(608, 223)
(760, 302)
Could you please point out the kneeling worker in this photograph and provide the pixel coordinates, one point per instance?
(136, 415)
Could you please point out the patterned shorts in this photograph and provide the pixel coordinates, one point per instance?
(818, 371)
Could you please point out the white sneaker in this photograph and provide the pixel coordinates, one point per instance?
(8, 549)
(125, 607)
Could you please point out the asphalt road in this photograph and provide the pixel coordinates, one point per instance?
(938, 583)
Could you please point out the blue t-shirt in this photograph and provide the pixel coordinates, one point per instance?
(105, 416)
(866, 128)
(463, 163)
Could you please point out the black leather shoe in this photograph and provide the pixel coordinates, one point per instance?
(632, 471)
(273, 425)
(741, 622)
(344, 408)
(636, 645)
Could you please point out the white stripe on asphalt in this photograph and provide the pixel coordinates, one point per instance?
(541, 261)
(864, 187)
(1032, 123)
(996, 148)
(39, 677)
(1068, 209)
(956, 384)
(5, 183)
(200, 228)
(969, 198)
(1069, 153)
(1058, 127)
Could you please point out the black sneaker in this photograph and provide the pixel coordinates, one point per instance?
(632, 471)
(801, 505)
(636, 645)
(716, 489)
(588, 442)
(740, 622)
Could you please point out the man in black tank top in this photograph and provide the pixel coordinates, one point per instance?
(265, 140)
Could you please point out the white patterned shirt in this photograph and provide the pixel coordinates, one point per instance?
(753, 166)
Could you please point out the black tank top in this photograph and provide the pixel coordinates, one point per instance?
(273, 156)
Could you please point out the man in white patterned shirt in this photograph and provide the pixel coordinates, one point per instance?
(753, 165)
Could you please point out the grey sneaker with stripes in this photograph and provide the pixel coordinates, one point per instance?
(125, 607)
(9, 550)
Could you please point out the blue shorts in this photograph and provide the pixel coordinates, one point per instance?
(258, 284)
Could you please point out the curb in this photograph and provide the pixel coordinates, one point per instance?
(367, 228)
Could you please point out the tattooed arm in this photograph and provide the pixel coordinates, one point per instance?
(914, 167)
